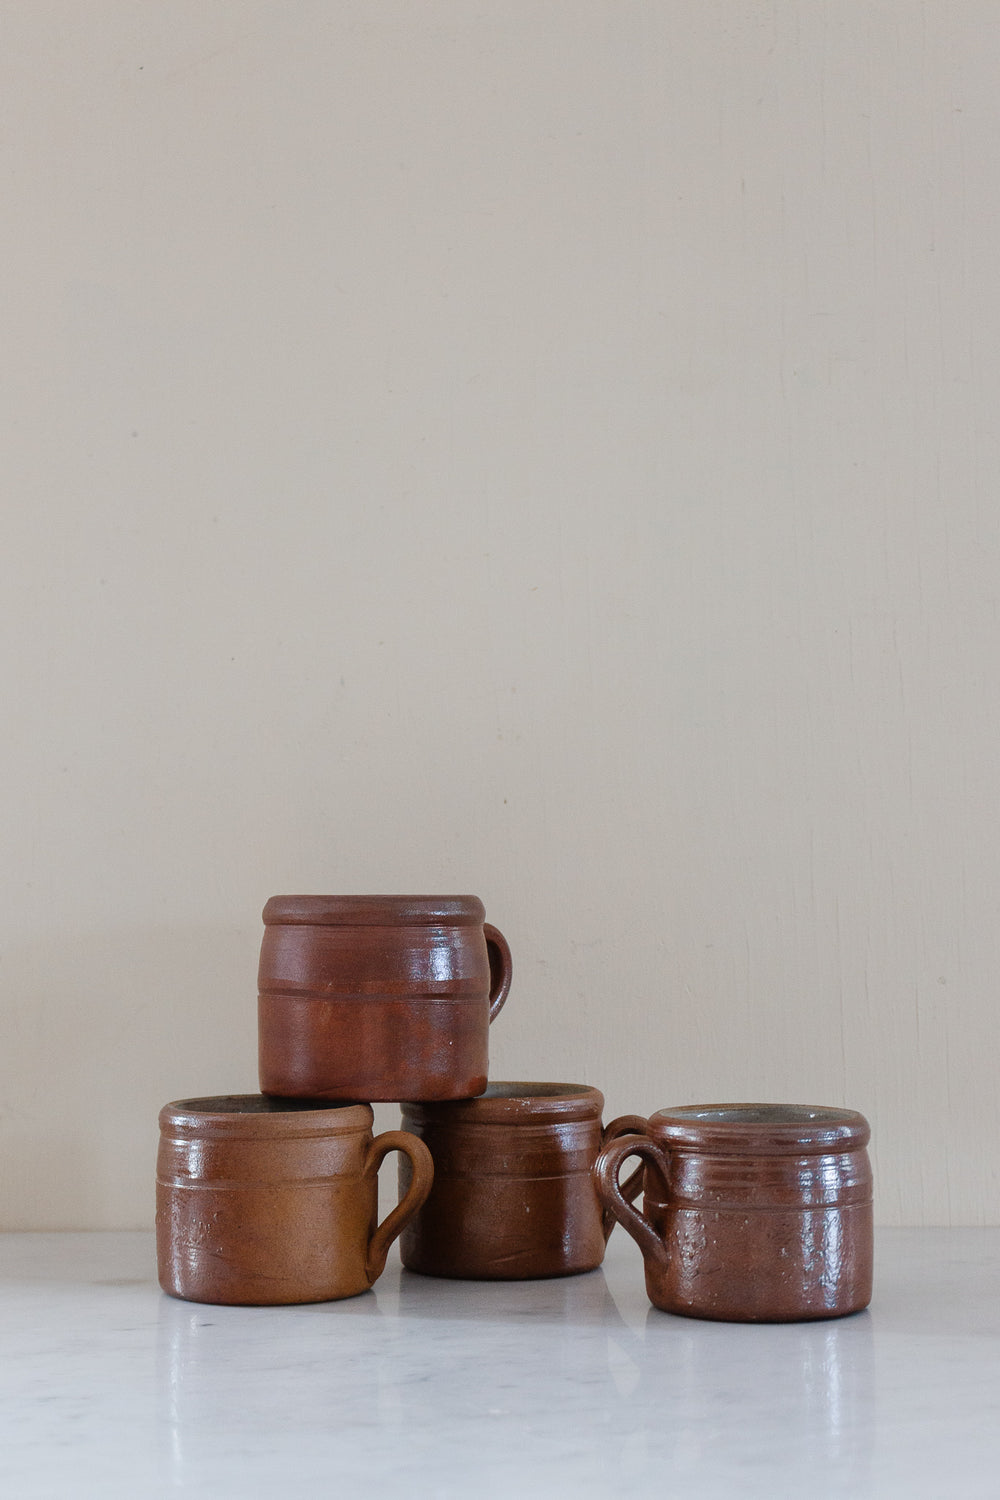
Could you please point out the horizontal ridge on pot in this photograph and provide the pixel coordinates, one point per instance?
(266, 1201)
(513, 1194)
(378, 997)
(751, 1212)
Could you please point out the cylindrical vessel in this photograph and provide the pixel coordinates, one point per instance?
(263, 1201)
(513, 1194)
(378, 997)
(752, 1212)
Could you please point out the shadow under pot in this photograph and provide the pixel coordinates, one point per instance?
(378, 997)
(513, 1194)
(265, 1201)
(756, 1213)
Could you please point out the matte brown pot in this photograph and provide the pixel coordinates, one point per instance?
(513, 1193)
(752, 1212)
(378, 997)
(263, 1201)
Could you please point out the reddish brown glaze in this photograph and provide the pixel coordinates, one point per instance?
(752, 1212)
(378, 997)
(513, 1194)
(262, 1201)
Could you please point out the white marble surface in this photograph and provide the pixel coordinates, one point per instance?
(445, 1389)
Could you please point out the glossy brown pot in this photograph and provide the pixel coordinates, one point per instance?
(262, 1201)
(513, 1193)
(378, 997)
(752, 1212)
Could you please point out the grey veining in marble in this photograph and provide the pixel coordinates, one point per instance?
(430, 1388)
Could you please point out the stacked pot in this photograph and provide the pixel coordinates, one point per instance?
(272, 1197)
(751, 1212)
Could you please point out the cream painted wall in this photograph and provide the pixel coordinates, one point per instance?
(543, 450)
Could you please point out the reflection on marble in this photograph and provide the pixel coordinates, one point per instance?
(574, 1387)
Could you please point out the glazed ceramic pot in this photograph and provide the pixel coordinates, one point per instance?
(262, 1201)
(513, 1193)
(752, 1212)
(378, 997)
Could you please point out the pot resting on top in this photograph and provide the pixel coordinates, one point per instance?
(380, 998)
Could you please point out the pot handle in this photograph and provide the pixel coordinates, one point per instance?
(500, 968)
(632, 1187)
(611, 1194)
(420, 1185)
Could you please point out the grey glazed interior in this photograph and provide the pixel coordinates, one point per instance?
(762, 1114)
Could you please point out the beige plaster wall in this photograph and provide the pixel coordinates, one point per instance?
(547, 450)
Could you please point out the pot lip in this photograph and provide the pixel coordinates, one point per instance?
(264, 1115)
(374, 911)
(749, 1129)
(511, 1102)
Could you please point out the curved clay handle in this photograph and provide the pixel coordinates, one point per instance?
(606, 1169)
(632, 1187)
(420, 1185)
(500, 969)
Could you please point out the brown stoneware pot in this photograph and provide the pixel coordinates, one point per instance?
(378, 997)
(513, 1194)
(262, 1201)
(757, 1213)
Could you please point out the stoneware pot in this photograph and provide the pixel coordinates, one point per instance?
(753, 1213)
(378, 997)
(263, 1201)
(513, 1193)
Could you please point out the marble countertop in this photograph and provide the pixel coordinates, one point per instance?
(442, 1389)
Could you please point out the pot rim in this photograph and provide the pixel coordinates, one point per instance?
(752, 1129)
(374, 911)
(512, 1102)
(245, 1115)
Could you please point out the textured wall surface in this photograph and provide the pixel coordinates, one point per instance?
(546, 451)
